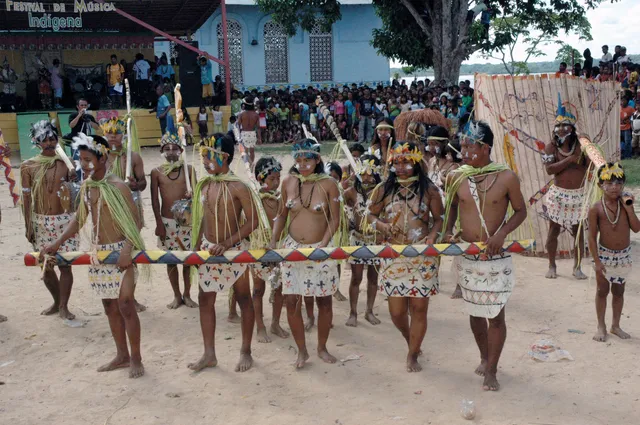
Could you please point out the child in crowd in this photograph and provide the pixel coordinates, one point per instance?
(217, 120)
(202, 122)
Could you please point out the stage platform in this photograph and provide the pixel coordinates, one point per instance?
(15, 126)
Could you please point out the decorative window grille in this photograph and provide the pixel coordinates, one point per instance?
(321, 54)
(276, 53)
(234, 33)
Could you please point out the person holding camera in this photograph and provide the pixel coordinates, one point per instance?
(81, 122)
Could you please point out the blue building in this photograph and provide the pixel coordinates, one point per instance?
(262, 55)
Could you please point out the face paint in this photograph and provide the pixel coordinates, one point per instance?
(437, 149)
(211, 166)
(392, 169)
(91, 167)
(408, 166)
(466, 154)
(474, 157)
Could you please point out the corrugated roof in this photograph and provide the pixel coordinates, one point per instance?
(173, 16)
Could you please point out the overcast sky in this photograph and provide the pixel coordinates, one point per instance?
(611, 24)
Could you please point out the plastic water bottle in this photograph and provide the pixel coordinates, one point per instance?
(467, 409)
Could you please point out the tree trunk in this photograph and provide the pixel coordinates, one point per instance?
(449, 33)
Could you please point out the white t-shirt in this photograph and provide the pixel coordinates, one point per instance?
(606, 58)
(141, 68)
(635, 124)
(217, 118)
(202, 117)
(623, 59)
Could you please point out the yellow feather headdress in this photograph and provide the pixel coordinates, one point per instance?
(403, 150)
(114, 125)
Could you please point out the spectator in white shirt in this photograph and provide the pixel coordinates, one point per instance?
(606, 56)
(142, 72)
(623, 55)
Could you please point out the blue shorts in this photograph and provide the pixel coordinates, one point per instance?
(57, 93)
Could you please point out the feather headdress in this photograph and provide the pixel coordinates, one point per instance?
(41, 130)
(82, 140)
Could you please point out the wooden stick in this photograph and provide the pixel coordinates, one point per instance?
(181, 134)
(129, 141)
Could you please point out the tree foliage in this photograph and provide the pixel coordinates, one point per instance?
(568, 54)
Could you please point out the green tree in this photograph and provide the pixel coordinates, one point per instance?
(568, 54)
(439, 34)
(395, 75)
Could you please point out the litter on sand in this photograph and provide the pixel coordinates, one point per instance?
(545, 350)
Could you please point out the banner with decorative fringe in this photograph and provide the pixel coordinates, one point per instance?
(195, 258)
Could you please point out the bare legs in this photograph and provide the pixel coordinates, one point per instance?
(325, 316)
(552, 248)
(490, 340)
(178, 299)
(208, 325)
(354, 293)
(617, 303)
(415, 332)
(124, 321)
(60, 290)
(258, 295)
(311, 318)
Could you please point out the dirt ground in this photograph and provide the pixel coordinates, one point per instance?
(48, 370)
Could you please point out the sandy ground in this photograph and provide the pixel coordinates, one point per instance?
(49, 369)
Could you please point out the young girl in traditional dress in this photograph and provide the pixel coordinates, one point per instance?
(313, 207)
(267, 174)
(357, 203)
(401, 210)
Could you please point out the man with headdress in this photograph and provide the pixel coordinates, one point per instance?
(564, 203)
(106, 201)
(45, 218)
(169, 182)
(482, 193)
(249, 125)
(114, 130)
(225, 212)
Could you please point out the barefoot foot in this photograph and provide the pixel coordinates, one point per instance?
(482, 368)
(601, 334)
(326, 357)
(309, 323)
(276, 329)
(551, 274)
(303, 356)
(245, 363)
(140, 307)
(51, 310)
(233, 318)
(619, 332)
(136, 370)
(412, 363)
(352, 321)
(177, 302)
(457, 294)
(66, 314)
(207, 360)
(371, 318)
(189, 302)
(577, 273)
(261, 333)
(338, 296)
(490, 382)
(118, 363)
